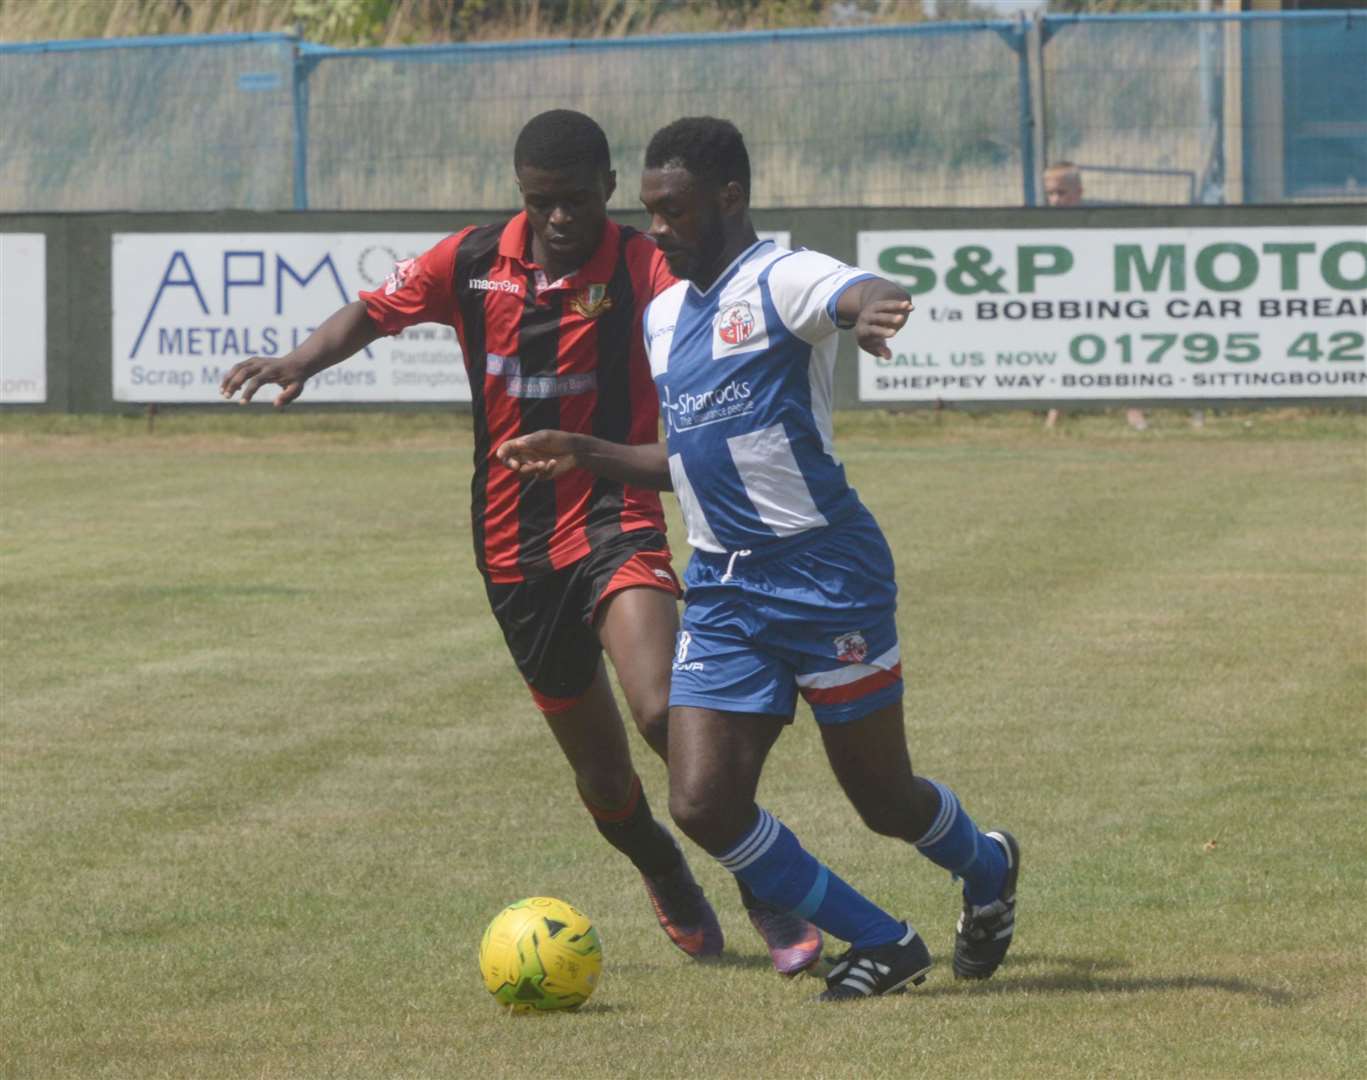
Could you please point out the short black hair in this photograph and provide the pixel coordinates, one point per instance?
(709, 148)
(562, 139)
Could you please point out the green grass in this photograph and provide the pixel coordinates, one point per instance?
(267, 770)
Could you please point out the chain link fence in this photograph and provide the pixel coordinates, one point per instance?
(1158, 109)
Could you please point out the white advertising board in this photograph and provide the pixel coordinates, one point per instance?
(1179, 313)
(23, 318)
(189, 306)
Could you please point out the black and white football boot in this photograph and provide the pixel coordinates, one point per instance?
(878, 969)
(984, 932)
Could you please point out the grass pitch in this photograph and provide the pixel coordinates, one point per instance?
(267, 770)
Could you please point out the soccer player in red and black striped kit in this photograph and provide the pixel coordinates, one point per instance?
(548, 308)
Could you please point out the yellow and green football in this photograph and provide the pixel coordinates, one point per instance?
(539, 955)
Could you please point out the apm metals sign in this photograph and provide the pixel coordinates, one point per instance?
(1087, 314)
(189, 306)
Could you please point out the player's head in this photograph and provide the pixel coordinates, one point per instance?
(564, 171)
(1062, 184)
(696, 189)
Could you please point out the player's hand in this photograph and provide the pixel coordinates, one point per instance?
(878, 322)
(248, 376)
(542, 455)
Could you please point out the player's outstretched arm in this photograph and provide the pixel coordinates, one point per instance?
(550, 453)
(876, 309)
(344, 333)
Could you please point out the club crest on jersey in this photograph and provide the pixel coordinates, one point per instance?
(592, 302)
(851, 648)
(398, 277)
(735, 323)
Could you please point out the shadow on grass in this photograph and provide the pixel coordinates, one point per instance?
(1044, 974)
(732, 960)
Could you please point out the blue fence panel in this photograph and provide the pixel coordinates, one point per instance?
(906, 116)
(1166, 108)
(147, 124)
(1322, 140)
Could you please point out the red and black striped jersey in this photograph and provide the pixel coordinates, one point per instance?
(566, 354)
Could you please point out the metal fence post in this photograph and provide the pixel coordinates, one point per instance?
(1016, 38)
(299, 67)
(1040, 33)
(1029, 166)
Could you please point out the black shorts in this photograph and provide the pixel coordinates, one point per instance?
(548, 621)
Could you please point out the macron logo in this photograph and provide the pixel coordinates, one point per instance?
(483, 284)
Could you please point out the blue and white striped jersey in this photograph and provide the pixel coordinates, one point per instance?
(745, 376)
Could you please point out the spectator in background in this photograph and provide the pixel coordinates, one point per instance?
(1062, 184)
(1063, 187)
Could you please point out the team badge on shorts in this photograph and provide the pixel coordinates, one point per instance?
(851, 648)
(592, 302)
(736, 323)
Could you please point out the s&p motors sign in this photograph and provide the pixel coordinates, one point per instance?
(1034, 314)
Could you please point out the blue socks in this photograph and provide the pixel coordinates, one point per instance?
(773, 864)
(954, 842)
(776, 867)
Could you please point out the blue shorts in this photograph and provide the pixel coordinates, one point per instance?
(819, 616)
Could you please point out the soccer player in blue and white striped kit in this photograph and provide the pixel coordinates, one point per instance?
(791, 586)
